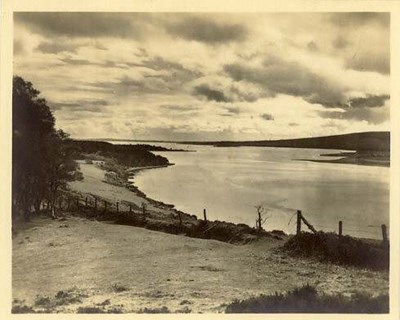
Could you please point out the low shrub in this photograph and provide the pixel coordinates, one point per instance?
(344, 250)
(307, 300)
(90, 310)
(119, 288)
(22, 309)
(163, 309)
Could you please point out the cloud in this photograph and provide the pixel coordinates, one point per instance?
(172, 72)
(180, 108)
(357, 114)
(207, 75)
(80, 24)
(77, 62)
(55, 47)
(80, 105)
(83, 62)
(369, 62)
(363, 40)
(210, 94)
(312, 46)
(267, 116)
(234, 110)
(277, 76)
(340, 42)
(351, 19)
(370, 101)
(18, 47)
(366, 111)
(206, 30)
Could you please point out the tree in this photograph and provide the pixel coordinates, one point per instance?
(40, 162)
(61, 167)
(262, 216)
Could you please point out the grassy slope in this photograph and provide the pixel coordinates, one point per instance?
(153, 269)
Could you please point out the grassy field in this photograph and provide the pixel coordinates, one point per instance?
(63, 265)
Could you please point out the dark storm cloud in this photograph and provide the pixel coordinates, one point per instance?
(80, 24)
(57, 47)
(267, 116)
(207, 30)
(370, 108)
(284, 77)
(210, 94)
(370, 101)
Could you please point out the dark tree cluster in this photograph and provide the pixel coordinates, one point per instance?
(42, 162)
(126, 155)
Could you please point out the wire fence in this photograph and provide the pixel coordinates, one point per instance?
(95, 205)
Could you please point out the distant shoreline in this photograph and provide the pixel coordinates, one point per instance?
(362, 159)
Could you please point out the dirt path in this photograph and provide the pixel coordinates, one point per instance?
(125, 269)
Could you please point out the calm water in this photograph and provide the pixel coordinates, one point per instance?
(231, 182)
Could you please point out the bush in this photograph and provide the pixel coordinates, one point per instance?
(163, 309)
(22, 309)
(341, 250)
(307, 300)
(90, 310)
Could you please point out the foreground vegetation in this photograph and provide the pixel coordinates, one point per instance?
(343, 250)
(307, 300)
(42, 160)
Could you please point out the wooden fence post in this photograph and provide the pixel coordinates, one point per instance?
(180, 218)
(144, 210)
(86, 202)
(130, 209)
(205, 215)
(340, 228)
(95, 204)
(308, 224)
(117, 206)
(77, 202)
(298, 231)
(384, 234)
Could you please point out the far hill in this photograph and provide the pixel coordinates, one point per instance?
(362, 141)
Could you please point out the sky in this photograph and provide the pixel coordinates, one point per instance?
(208, 76)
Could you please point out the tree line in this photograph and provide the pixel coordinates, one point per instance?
(42, 161)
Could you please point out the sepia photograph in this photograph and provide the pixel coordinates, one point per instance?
(200, 162)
